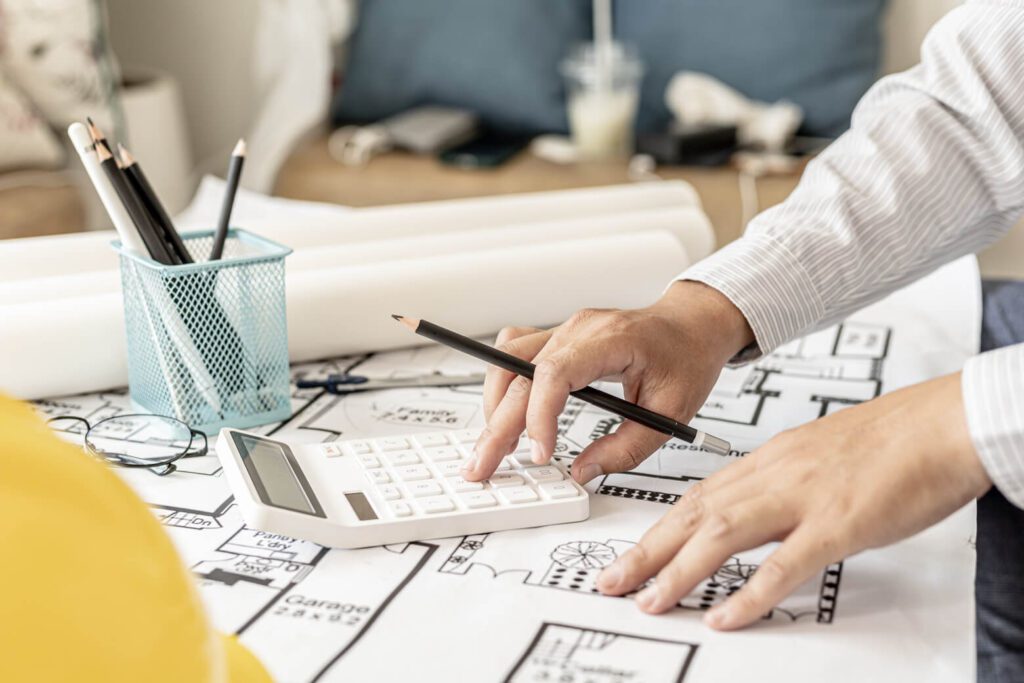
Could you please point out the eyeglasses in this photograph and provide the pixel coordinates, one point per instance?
(157, 442)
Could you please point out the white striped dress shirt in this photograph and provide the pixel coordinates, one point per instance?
(931, 169)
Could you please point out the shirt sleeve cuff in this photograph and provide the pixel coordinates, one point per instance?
(769, 286)
(993, 393)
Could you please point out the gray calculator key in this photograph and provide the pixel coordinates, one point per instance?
(466, 435)
(397, 458)
(389, 492)
(518, 494)
(378, 476)
(421, 489)
(368, 461)
(413, 472)
(524, 458)
(502, 479)
(394, 443)
(559, 489)
(478, 499)
(358, 447)
(544, 473)
(443, 453)
(436, 504)
(450, 469)
(427, 440)
(401, 509)
(461, 485)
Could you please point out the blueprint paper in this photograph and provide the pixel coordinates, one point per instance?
(520, 605)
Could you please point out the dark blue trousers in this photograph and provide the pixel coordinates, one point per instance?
(999, 583)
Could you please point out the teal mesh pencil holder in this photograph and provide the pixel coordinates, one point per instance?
(208, 341)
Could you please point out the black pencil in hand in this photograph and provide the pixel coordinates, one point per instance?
(595, 397)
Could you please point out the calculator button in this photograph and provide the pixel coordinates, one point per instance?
(331, 449)
(436, 504)
(466, 435)
(503, 466)
(401, 509)
(524, 458)
(559, 489)
(413, 472)
(427, 440)
(519, 494)
(402, 458)
(478, 499)
(503, 479)
(378, 476)
(542, 474)
(449, 469)
(461, 485)
(358, 447)
(419, 489)
(389, 492)
(395, 443)
(368, 461)
(443, 453)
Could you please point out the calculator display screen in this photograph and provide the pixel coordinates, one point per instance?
(278, 479)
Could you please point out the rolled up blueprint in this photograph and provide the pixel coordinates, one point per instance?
(689, 225)
(72, 345)
(347, 310)
(304, 224)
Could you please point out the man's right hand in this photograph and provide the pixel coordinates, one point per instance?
(667, 356)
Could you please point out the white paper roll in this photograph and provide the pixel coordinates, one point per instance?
(73, 345)
(347, 310)
(69, 254)
(690, 226)
(63, 328)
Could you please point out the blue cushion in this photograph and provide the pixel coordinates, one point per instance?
(500, 57)
(820, 54)
(497, 57)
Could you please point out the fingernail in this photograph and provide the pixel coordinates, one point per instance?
(469, 465)
(536, 453)
(588, 472)
(718, 617)
(610, 577)
(647, 598)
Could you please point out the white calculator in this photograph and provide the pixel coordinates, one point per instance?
(365, 492)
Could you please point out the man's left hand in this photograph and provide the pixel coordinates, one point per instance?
(863, 477)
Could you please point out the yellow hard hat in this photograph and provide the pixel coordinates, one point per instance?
(91, 588)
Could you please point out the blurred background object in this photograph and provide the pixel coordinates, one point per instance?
(285, 73)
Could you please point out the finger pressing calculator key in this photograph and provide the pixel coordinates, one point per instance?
(389, 490)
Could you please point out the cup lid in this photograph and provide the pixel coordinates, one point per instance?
(582, 63)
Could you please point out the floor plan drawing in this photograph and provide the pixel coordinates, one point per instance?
(573, 565)
(574, 654)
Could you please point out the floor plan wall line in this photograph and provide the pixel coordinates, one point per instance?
(430, 550)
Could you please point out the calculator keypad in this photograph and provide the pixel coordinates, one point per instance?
(421, 475)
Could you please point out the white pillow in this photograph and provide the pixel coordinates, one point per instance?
(57, 53)
(26, 141)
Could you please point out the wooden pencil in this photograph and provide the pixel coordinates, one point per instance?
(595, 397)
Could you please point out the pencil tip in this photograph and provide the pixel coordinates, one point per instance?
(126, 157)
(94, 130)
(396, 317)
(239, 150)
